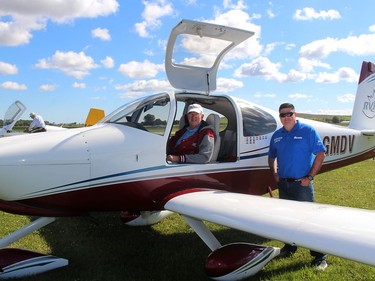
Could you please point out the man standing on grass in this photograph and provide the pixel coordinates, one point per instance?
(295, 156)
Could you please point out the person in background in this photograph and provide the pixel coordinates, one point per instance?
(37, 125)
(295, 156)
(194, 143)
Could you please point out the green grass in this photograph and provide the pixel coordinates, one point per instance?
(105, 249)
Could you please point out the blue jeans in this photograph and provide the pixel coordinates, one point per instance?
(295, 191)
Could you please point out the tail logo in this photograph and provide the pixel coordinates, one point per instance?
(369, 106)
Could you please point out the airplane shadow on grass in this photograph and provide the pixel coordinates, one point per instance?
(104, 248)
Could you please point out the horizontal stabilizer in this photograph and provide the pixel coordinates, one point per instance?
(368, 132)
(17, 263)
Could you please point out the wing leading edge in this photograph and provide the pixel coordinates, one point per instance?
(341, 231)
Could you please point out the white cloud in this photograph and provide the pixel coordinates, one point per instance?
(151, 16)
(73, 64)
(59, 11)
(294, 76)
(270, 14)
(100, 88)
(298, 96)
(240, 5)
(307, 65)
(262, 95)
(47, 88)
(8, 69)
(342, 74)
(142, 87)
(108, 62)
(18, 31)
(228, 85)
(290, 46)
(361, 45)
(8, 85)
(270, 47)
(347, 98)
(309, 13)
(145, 69)
(77, 85)
(242, 20)
(262, 66)
(101, 33)
(25, 17)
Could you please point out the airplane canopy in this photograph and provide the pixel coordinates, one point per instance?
(195, 50)
(12, 115)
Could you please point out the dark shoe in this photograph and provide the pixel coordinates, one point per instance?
(287, 251)
(319, 264)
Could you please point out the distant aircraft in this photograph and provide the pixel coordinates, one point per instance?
(119, 164)
(16, 109)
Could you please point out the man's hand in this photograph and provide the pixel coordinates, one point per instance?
(173, 158)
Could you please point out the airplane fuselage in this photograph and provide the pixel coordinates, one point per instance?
(113, 166)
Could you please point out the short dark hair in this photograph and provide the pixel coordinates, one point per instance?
(286, 105)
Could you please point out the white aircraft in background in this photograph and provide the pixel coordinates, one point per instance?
(16, 109)
(119, 164)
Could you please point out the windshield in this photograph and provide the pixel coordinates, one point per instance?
(12, 115)
(147, 114)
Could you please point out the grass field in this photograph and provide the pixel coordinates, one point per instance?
(104, 249)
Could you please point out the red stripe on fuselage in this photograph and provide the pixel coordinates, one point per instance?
(145, 195)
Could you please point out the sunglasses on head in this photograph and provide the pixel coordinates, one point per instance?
(288, 114)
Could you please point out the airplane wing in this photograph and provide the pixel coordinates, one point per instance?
(341, 231)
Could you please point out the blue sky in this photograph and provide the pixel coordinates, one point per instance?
(61, 58)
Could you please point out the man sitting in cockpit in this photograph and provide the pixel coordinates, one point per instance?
(194, 143)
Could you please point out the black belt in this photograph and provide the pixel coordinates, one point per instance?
(290, 180)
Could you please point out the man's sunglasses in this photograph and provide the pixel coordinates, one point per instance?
(288, 114)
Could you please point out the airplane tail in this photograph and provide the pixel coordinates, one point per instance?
(363, 116)
(94, 115)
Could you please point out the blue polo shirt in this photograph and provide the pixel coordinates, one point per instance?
(295, 150)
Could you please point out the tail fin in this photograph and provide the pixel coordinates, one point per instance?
(363, 117)
(95, 114)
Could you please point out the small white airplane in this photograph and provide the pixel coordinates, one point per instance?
(16, 109)
(119, 164)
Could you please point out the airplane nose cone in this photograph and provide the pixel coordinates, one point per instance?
(33, 165)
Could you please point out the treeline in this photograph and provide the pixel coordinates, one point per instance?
(22, 124)
(326, 118)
